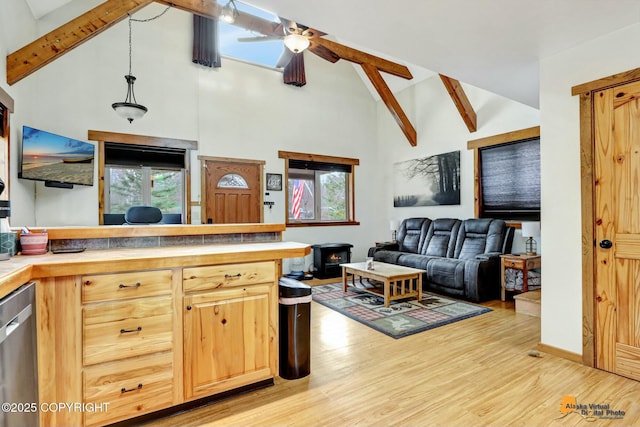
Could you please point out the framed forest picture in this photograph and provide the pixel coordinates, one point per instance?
(427, 181)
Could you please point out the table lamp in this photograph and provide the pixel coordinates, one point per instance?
(530, 229)
(393, 226)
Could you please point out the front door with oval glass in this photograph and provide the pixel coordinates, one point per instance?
(232, 192)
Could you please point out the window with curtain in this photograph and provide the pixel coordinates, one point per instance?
(510, 180)
(319, 189)
(144, 175)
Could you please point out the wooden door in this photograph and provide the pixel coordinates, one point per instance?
(617, 229)
(226, 339)
(232, 192)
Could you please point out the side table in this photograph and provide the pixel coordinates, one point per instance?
(519, 262)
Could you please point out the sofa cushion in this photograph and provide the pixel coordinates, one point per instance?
(479, 236)
(448, 273)
(441, 237)
(412, 233)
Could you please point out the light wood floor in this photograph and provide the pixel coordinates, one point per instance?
(475, 372)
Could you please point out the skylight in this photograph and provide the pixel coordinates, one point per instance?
(262, 52)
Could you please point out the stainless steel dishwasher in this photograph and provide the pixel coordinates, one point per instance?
(18, 368)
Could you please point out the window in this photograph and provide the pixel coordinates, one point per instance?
(135, 186)
(508, 175)
(319, 189)
(255, 48)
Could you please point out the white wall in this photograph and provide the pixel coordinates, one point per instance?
(560, 157)
(16, 27)
(243, 111)
(240, 111)
(440, 129)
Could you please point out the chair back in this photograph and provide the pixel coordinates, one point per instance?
(143, 215)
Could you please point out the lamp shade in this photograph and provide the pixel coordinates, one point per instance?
(394, 224)
(530, 228)
(296, 42)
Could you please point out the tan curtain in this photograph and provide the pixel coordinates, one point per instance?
(206, 43)
(294, 71)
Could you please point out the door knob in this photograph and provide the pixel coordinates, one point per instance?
(606, 244)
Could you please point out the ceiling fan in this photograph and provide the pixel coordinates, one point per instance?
(296, 38)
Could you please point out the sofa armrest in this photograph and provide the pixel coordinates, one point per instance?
(482, 277)
(488, 256)
(386, 246)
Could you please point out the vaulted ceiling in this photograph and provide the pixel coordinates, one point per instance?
(496, 45)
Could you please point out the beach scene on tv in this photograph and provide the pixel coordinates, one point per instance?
(50, 157)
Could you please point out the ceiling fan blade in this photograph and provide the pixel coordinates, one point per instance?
(258, 38)
(323, 52)
(285, 58)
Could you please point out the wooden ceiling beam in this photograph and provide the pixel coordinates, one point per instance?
(56, 43)
(360, 57)
(391, 102)
(461, 101)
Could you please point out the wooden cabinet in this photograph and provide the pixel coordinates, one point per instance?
(519, 262)
(142, 341)
(230, 330)
(131, 387)
(117, 330)
(127, 344)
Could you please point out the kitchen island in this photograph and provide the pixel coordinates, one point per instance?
(130, 331)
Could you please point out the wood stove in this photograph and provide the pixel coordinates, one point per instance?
(327, 258)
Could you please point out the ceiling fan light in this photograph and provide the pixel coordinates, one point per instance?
(229, 12)
(296, 42)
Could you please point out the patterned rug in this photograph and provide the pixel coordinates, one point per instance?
(403, 317)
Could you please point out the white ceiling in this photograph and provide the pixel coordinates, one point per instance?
(492, 44)
(495, 45)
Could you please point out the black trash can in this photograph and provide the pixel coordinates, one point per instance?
(295, 329)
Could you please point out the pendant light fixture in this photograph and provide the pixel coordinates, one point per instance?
(130, 109)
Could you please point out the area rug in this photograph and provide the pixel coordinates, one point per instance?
(402, 317)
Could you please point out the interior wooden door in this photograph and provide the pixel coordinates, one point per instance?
(617, 229)
(232, 192)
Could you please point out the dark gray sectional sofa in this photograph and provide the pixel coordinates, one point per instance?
(461, 257)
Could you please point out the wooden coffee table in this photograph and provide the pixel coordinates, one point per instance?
(399, 282)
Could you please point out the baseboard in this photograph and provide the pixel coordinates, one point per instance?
(555, 351)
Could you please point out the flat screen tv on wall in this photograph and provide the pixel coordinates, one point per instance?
(57, 160)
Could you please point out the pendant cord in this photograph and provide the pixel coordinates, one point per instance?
(141, 20)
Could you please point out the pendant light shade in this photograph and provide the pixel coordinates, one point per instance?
(296, 42)
(129, 109)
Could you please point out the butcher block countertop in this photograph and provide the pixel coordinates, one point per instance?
(22, 268)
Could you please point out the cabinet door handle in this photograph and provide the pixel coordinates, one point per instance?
(231, 276)
(135, 285)
(124, 390)
(126, 331)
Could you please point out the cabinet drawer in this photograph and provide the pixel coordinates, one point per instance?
(128, 388)
(212, 277)
(117, 330)
(106, 287)
(513, 263)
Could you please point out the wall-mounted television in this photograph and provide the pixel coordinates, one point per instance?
(57, 160)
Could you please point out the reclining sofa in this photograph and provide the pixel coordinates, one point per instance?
(461, 257)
